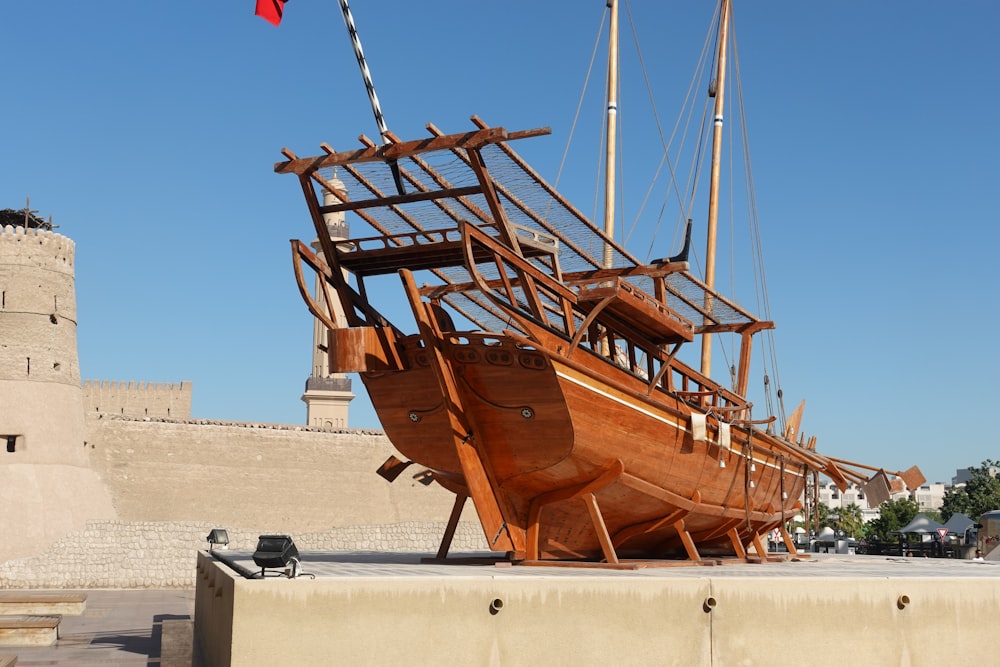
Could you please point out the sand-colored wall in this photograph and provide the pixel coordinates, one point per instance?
(160, 554)
(276, 478)
(624, 618)
(137, 399)
(147, 491)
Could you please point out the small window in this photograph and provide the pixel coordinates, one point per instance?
(13, 441)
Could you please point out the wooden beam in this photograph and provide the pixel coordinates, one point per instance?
(405, 149)
(596, 518)
(449, 531)
(498, 533)
(401, 199)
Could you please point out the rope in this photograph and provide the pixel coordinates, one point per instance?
(746, 472)
(365, 73)
(583, 94)
(685, 207)
(768, 351)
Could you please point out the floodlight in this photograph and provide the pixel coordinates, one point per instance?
(217, 538)
(276, 552)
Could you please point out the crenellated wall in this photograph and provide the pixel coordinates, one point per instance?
(137, 399)
(38, 307)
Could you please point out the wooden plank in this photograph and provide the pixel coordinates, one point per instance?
(449, 531)
(418, 257)
(405, 149)
(597, 519)
(361, 349)
(401, 199)
(651, 319)
(689, 546)
(734, 539)
(499, 536)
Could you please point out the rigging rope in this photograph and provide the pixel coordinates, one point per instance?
(679, 132)
(583, 94)
(760, 273)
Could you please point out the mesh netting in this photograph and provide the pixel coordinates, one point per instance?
(528, 203)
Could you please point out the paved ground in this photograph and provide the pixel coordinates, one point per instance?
(121, 627)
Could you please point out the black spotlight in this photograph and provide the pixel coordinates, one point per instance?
(217, 538)
(276, 552)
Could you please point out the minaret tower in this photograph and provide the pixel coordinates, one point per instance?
(327, 394)
(47, 487)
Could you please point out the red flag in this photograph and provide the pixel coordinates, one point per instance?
(270, 10)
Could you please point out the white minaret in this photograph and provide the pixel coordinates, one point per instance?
(327, 394)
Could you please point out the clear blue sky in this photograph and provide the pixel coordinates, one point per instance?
(149, 132)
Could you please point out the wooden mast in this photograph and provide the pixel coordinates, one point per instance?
(612, 147)
(713, 200)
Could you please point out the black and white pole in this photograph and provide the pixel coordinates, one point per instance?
(366, 75)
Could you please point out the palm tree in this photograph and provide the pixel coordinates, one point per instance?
(851, 520)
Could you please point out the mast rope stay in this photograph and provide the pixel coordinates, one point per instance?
(769, 353)
(579, 104)
(366, 76)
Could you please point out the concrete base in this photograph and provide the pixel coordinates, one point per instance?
(363, 609)
(28, 603)
(29, 630)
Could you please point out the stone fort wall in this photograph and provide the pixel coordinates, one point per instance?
(137, 399)
(111, 484)
(171, 481)
(162, 554)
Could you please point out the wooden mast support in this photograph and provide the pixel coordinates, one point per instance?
(612, 147)
(713, 200)
(500, 536)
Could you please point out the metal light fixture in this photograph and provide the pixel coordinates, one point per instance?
(217, 538)
(276, 552)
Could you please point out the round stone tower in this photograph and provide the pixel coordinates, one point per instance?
(47, 486)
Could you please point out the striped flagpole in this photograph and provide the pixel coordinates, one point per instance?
(366, 75)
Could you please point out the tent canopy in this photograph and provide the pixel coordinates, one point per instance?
(920, 524)
(958, 523)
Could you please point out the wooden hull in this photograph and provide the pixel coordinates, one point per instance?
(545, 427)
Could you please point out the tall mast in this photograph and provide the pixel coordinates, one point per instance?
(612, 147)
(713, 197)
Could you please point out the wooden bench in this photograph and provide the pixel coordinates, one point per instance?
(38, 603)
(29, 630)
(8, 660)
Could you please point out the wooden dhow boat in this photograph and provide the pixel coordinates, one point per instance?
(558, 404)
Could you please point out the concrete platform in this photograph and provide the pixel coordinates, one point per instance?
(125, 628)
(35, 603)
(368, 609)
(29, 630)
